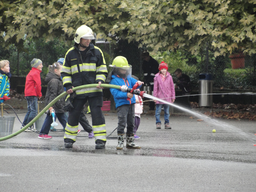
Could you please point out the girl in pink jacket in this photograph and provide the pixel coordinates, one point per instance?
(163, 89)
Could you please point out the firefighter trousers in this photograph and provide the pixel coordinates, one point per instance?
(98, 120)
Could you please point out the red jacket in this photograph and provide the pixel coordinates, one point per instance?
(33, 83)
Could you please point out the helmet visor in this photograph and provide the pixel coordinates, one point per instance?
(88, 36)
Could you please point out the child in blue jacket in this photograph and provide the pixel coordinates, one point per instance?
(4, 80)
(124, 102)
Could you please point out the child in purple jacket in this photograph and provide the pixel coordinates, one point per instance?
(165, 90)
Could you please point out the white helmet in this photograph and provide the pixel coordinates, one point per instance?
(84, 32)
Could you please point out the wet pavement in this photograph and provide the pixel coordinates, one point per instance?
(189, 157)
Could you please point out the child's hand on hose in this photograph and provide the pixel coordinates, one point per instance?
(129, 95)
(140, 83)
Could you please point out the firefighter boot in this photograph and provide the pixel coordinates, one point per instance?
(100, 144)
(120, 144)
(130, 142)
(68, 143)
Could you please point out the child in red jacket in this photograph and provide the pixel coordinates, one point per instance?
(33, 91)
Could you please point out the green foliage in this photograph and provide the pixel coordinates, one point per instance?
(169, 25)
(235, 73)
(175, 60)
(48, 52)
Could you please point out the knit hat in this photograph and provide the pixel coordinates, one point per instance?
(35, 62)
(61, 61)
(163, 65)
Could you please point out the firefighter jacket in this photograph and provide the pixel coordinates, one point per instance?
(82, 68)
(33, 83)
(150, 68)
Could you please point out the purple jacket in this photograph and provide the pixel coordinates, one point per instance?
(164, 89)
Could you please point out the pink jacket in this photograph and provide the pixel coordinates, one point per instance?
(164, 89)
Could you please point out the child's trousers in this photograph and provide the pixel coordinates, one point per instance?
(125, 117)
(166, 113)
(136, 124)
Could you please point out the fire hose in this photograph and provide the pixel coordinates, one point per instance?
(122, 88)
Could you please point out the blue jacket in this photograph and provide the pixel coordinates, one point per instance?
(4, 86)
(120, 97)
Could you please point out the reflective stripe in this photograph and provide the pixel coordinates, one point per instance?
(87, 90)
(100, 132)
(151, 83)
(101, 77)
(88, 67)
(71, 128)
(66, 79)
(152, 74)
(73, 137)
(95, 47)
(145, 74)
(103, 138)
(71, 132)
(74, 69)
(99, 128)
(102, 68)
(65, 69)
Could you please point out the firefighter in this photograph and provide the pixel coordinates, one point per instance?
(85, 64)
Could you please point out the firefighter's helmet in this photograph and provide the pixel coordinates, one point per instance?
(84, 32)
(120, 62)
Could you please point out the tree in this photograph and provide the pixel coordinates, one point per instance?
(220, 25)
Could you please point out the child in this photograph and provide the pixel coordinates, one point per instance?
(5, 75)
(163, 89)
(138, 110)
(124, 102)
(54, 88)
(33, 91)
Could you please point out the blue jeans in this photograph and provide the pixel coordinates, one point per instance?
(48, 121)
(166, 113)
(32, 109)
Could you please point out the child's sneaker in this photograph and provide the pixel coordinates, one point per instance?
(30, 129)
(53, 129)
(167, 126)
(44, 136)
(136, 137)
(33, 128)
(158, 125)
(91, 135)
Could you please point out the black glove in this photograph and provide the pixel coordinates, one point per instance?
(68, 101)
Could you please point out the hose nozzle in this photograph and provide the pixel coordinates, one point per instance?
(124, 88)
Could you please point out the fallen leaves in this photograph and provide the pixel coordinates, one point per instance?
(231, 115)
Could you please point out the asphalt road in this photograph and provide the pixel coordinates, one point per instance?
(189, 157)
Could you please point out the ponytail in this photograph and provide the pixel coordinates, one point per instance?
(54, 66)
